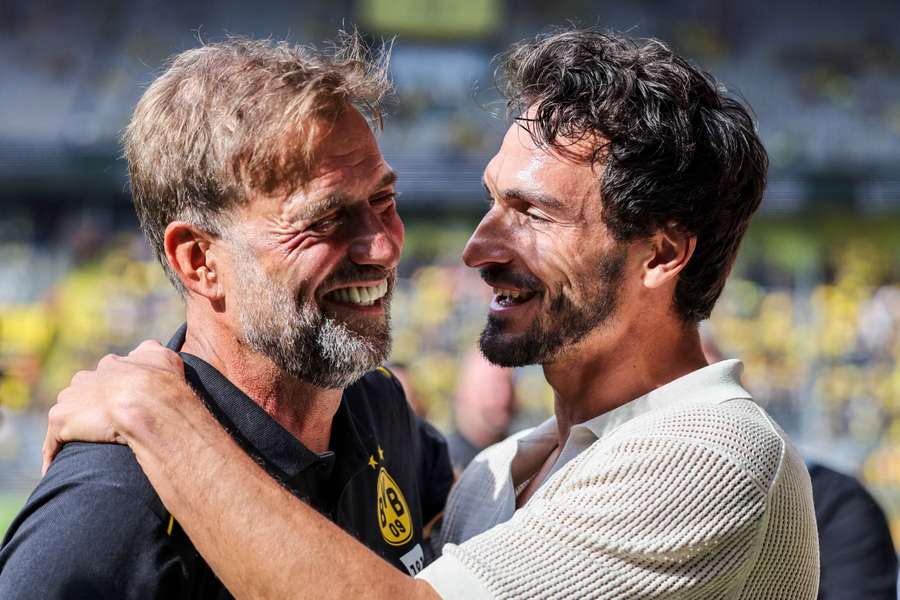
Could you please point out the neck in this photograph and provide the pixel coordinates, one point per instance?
(303, 410)
(596, 376)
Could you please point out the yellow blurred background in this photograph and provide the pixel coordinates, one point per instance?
(813, 305)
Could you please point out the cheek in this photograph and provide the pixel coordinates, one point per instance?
(556, 257)
(302, 269)
(393, 225)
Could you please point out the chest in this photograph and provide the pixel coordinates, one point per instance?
(377, 502)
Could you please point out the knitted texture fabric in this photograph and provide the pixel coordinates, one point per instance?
(708, 500)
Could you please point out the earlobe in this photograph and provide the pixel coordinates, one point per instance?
(188, 252)
(670, 252)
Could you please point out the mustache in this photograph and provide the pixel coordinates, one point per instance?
(498, 275)
(348, 272)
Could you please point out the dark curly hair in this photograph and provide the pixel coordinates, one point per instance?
(676, 150)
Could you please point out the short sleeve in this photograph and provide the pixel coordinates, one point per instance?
(632, 519)
(87, 539)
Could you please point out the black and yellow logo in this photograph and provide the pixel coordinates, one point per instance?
(393, 511)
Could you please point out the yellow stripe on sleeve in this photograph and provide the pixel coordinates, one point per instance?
(171, 523)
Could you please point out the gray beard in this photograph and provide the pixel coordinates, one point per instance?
(301, 340)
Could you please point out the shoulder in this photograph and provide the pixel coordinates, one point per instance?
(93, 517)
(833, 488)
(379, 388)
(377, 402)
(492, 464)
(844, 506)
(97, 468)
(857, 552)
(737, 431)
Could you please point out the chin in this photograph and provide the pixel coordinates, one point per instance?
(506, 350)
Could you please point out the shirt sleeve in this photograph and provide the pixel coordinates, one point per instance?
(635, 519)
(436, 473)
(88, 540)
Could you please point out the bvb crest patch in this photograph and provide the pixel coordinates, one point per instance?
(393, 511)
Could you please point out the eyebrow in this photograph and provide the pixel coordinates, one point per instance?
(530, 197)
(333, 201)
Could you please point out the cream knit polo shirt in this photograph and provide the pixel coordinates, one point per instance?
(690, 491)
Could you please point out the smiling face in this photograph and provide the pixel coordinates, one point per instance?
(312, 273)
(557, 273)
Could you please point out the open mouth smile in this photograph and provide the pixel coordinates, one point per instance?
(359, 295)
(507, 298)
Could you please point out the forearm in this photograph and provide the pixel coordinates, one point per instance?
(260, 540)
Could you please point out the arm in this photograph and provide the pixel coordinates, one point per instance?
(279, 548)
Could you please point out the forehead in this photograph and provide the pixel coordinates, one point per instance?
(346, 155)
(522, 164)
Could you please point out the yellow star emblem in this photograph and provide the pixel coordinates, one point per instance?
(380, 453)
(372, 462)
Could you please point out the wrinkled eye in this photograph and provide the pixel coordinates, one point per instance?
(536, 215)
(384, 201)
(325, 225)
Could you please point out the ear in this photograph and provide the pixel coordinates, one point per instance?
(188, 252)
(670, 251)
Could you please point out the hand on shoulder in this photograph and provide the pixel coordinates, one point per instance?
(120, 395)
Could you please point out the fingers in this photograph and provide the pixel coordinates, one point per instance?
(152, 353)
(147, 346)
(87, 410)
(52, 445)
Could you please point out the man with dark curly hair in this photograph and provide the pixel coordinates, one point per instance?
(619, 198)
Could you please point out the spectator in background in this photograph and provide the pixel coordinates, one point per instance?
(856, 553)
(484, 407)
(401, 373)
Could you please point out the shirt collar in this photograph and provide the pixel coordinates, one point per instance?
(253, 428)
(712, 384)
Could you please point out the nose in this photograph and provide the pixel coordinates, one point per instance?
(489, 243)
(377, 242)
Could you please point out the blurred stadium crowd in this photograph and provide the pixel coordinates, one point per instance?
(813, 307)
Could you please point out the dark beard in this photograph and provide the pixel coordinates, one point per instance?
(563, 324)
(303, 341)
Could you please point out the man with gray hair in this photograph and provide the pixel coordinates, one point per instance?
(258, 183)
(618, 199)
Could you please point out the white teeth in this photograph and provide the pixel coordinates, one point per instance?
(361, 295)
(507, 293)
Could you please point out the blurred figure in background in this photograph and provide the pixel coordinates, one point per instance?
(401, 373)
(484, 406)
(856, 553)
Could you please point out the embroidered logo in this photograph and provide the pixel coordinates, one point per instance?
(393, 511)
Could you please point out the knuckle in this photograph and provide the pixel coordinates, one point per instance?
(109, 358)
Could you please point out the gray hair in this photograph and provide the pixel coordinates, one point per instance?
(236, 117)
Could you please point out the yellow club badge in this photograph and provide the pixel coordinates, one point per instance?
(393, 511)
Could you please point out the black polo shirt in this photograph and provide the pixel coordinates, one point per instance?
(95, 528)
